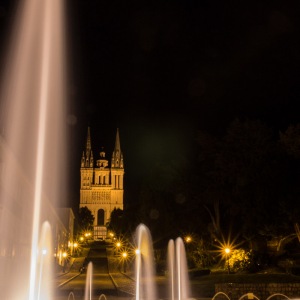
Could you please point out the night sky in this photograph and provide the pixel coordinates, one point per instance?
(161, 70)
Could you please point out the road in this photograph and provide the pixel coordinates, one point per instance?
(74, 285)
(107, 282)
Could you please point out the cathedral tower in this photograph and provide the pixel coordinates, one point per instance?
(101, 187)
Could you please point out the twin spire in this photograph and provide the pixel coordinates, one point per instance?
(117, 156)
(87, 159)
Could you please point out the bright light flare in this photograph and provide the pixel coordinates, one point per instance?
(226, 247)
(188, 239)
(227, 250)
(87, 234)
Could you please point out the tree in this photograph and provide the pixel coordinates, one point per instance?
(244, 179)
(116, 220)
(290, 140)
(85, 219)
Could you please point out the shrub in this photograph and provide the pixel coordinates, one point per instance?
(239, 260)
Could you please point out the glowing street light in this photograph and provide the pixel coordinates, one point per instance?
(188, 239)
(124, 258)
(227, 251)
(64, 260)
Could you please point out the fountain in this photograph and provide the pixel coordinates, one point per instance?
(145, 287)
(32, 122)
(177, 270)
(88, 285)
(32, 156)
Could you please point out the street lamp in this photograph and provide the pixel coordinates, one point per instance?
(124, 258)
(227, 253)
(188, 239)
(64, 255)
(75, 245)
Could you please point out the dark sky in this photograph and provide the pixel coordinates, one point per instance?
(160, 70)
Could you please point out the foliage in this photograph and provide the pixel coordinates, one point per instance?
(198, 254)
(239, 260)
(85, 219)
(116, 220)
(290, 140)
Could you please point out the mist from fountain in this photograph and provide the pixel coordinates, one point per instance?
(32, 162)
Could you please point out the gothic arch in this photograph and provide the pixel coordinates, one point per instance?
(100, 217)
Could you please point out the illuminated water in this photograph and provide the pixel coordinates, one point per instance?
(179, 286)
(89, 282)
(145, 287)
(32, 122)
(32, 164)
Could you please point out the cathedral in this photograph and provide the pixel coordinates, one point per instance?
(101, 186)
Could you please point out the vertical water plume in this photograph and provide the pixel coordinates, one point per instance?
(32, 126)
(145, 287)
(179, 287)
(170, 268)
(44, 265)
(89, 282)
(182, 270)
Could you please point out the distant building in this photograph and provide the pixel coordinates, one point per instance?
(67, 217)
(16, 214)
(101, 186)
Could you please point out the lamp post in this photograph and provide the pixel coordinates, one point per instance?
(64, 255)
(188, 239)
(227, 253)
(124, 256)
(75, 245)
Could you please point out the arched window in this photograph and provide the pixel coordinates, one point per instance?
(100, 217)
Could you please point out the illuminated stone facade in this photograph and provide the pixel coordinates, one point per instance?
(101, 186)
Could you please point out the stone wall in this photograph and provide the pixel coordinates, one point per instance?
(262, 291)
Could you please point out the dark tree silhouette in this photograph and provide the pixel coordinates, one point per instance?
(85, 219)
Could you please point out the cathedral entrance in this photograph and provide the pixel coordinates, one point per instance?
(100, 230)
(100, 219)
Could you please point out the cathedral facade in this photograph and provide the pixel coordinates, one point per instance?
(101, 184)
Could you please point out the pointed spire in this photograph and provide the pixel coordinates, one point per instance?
(88, 146)
(117, 143)
(117, 156)
(82, 160)
(87, 156)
